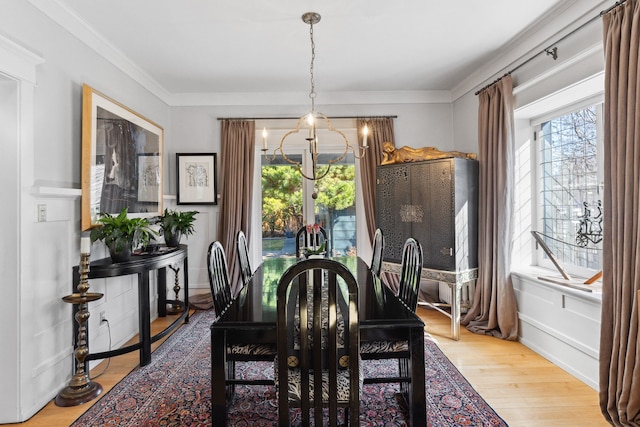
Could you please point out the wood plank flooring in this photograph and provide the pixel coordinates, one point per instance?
(525, 389)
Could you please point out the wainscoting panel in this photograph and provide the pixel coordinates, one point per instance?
(561, 324)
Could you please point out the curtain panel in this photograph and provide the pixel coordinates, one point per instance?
(619, 348)
(494, 310)
(380, 130)
(237, 162)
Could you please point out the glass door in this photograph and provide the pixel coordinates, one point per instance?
(289, 202)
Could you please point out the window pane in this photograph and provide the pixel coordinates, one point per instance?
(281, 208)
(571, 204)
(335, 207)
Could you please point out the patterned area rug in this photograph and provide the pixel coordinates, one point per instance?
(174, 390)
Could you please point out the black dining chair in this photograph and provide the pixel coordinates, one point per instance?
(305, 240)
(222, 300)
(318, 335)
(377, 249)
(243, 257)
(410, 272)
(218, 278)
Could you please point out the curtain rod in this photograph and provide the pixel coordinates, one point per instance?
(550, 50)
(296, 118)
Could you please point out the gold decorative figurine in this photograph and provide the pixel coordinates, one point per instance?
(391, 154)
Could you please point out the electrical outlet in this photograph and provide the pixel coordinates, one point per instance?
(42, 213)
(103, 316)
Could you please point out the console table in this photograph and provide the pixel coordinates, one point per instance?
(141, 265)
(453, 279)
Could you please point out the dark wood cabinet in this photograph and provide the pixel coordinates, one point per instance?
(435, 202)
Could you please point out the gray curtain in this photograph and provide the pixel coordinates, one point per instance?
(493, 310)
(619, 347)
(237, 162)
(380, 130)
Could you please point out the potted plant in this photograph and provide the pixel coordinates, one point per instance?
(175, 224)
(122, 234)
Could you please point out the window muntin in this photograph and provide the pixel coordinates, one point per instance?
(570, 216)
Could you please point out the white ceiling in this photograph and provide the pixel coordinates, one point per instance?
(255, 46)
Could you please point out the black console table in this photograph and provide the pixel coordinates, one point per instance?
(141, 265)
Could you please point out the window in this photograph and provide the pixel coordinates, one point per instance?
(569, 150)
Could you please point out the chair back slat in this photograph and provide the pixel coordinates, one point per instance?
(305, 240)
(333, 291)
(218, 278)
(410, 272)
(243, 257)
(378, 249)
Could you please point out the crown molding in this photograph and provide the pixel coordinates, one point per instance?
(74, 24)
(297, 98)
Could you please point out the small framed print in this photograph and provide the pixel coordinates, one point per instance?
(148, 177)
(196, 178)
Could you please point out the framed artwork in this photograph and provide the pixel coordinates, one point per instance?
(196, 179)
(122, 154)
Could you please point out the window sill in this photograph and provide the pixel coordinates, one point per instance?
(533, 274)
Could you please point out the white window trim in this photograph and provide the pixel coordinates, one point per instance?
(586, 92)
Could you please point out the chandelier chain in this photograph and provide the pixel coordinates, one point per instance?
(312, 93)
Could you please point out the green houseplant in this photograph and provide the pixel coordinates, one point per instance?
(122, 234)
(175, 224)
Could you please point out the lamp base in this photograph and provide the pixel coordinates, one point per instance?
(73, 396)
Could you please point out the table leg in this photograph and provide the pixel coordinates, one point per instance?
(185, 275)
(456, 290)
(218, 383)
(417, 397)
(162, 292)
(144, 318)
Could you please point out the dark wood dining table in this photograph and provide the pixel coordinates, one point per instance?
(251, 318)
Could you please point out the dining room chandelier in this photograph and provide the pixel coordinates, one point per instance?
(310, 121)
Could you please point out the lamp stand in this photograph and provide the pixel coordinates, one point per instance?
(80, 389)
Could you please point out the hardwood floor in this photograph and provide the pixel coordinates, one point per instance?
(524, 388)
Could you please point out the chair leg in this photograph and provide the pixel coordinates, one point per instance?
(403, 370)
(231, 375)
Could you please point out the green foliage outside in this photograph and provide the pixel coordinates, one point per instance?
(282, 197)
(281, 200)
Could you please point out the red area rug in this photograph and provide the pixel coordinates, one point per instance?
(174, 390)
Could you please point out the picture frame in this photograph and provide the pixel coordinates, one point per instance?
(196, 177)
(122, 160)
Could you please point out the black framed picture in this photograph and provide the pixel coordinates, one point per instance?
(196, 179)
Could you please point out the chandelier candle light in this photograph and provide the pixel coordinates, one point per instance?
(311, 120)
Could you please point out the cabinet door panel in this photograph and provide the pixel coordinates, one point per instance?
(439, 231)
(392, 194)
